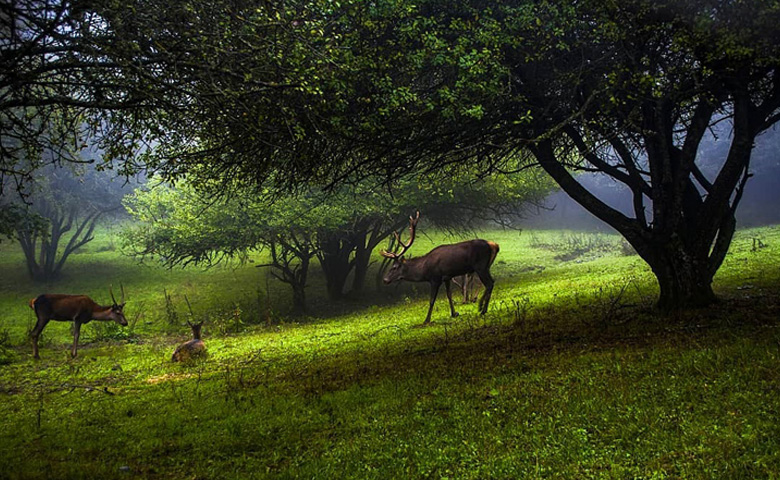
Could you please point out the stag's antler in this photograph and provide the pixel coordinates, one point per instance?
(404, 246)
(111, 291)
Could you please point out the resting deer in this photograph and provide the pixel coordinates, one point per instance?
(442, 264)
(191, 349)
(79, 309)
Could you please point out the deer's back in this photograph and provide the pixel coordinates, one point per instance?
(189, 350)
(458, 258)
(58, 306)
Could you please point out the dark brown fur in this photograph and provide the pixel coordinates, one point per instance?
(192, 349)
(445, 262)
(79, 309)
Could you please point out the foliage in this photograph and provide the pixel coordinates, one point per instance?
(325, 92)
(624, 89)
(57, 89)
(182, 228)
(280, 94)
(15, 217)
(341, 228)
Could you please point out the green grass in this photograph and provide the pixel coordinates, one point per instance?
(570, 375)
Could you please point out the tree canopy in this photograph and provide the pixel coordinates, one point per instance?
(287, 94)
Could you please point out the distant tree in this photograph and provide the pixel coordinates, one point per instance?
(459, 201)
(180, 226)
(64, 209)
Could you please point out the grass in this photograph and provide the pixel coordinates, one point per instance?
(570, 375)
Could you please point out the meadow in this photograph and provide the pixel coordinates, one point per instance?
(571, 374)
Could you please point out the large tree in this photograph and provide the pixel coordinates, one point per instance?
(625, 89)
(654, 84)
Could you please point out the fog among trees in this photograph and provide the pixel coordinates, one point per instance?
(756, 208)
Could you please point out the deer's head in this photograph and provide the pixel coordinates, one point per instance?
(117, 309)
(396, 272)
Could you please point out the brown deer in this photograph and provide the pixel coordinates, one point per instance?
(442, 264)
(191, 349)
(79, 309)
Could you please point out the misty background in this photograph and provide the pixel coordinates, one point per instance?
(759, 204)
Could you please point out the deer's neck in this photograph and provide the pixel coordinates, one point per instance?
(101, 313)
(415, 271)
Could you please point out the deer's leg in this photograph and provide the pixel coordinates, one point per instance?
(434, 292)
(36, 332)
(474, 288)
(449, 297)
(76, 331)
(487, 280)
(462, 286)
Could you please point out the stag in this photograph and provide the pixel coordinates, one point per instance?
(442, 264)
(79, 309)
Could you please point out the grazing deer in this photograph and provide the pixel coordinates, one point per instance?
(442, 264)
(194, 348)
(79, 309)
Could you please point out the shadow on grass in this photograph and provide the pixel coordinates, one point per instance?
(491, 345)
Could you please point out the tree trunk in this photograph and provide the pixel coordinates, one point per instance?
(299, 296)
(284, 269)
(298, 284)
(684, 279)
(336, 274)
(334, 255)
(362, 262)
(678, 253)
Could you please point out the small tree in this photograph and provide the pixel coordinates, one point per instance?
(182, 227)
(70, 203)
(290, 262)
